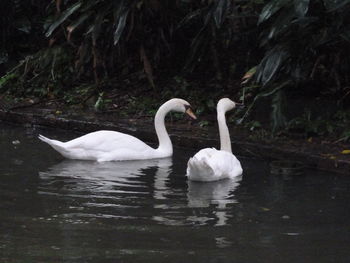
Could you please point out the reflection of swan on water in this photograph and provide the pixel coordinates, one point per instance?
(102, 176)
(199, 195)
(161, 178)
(219, 193)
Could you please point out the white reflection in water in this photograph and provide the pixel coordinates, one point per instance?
(106, 182)
(203, 194)
(161, 190)
(104, 170)
(137, 189)
(219, 193)
(199, 195)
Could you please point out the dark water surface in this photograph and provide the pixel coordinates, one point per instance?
(56, 210)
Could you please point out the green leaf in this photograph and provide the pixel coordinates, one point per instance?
(97, 26)
(301, 7)
(282, 23)
(270, 64)
(332, 5)
(3, 57)
(248, 75)
(23, 25)
(4, 79)
(78, 22)
(189, 17)
(62, 18)
(277, 115)
(220, 12)
(203, 123)
(346, 35)
(121, 10)
(263, 94)
(99, 104)
(270, 9)
(120, 27)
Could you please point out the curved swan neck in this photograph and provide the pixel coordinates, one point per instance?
(162, 134)
(225, 141)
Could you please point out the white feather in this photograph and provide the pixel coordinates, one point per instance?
(210, 164)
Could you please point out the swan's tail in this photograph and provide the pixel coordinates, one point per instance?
(57, 145)
(199, 170)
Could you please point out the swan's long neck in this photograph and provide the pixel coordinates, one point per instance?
(225, 141)
(165, 144)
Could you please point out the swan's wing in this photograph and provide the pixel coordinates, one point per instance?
(210, 165)
(225, 164)
(107, 141)
(198, 168)
(103, 146)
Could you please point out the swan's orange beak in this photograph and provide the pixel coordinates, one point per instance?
(190, 113)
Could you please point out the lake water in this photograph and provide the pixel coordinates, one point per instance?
(56, 210)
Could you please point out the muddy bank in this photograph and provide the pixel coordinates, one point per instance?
(316, 153)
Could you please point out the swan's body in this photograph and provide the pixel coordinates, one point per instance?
(106, 146)
(210, 164)
(116, 146)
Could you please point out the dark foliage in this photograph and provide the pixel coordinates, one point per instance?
(75, 50)
(106, 41)
(21, 30)
(307, 54)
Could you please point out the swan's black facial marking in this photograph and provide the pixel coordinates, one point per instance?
(187, 107)
(189, 111)
(239, 105)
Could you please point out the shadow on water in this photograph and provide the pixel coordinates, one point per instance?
(55, 210)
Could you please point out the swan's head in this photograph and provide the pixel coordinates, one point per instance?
(181, 105)
(225, 104)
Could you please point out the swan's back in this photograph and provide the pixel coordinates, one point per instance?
(103, 146)
(107, 141)
(210, 164)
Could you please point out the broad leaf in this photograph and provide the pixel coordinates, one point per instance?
(3, 56)
(120, 27)
(278, 117)
(189, 17)
(301, 7)
(220, 12)
(248, 75)
(332, 5)
(121, 10)
(270, 64)
(62, 18)
(270, 9)
(77, 22)
(282, 23)
(98, 23)
(23, 25)
(346, 35)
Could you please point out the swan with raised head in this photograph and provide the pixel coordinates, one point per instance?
(210, 164)
(105, 145)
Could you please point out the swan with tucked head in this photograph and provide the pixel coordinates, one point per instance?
(116, 146)
(210, 164)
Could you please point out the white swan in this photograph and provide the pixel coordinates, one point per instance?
(115, 146)
(210, 164)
